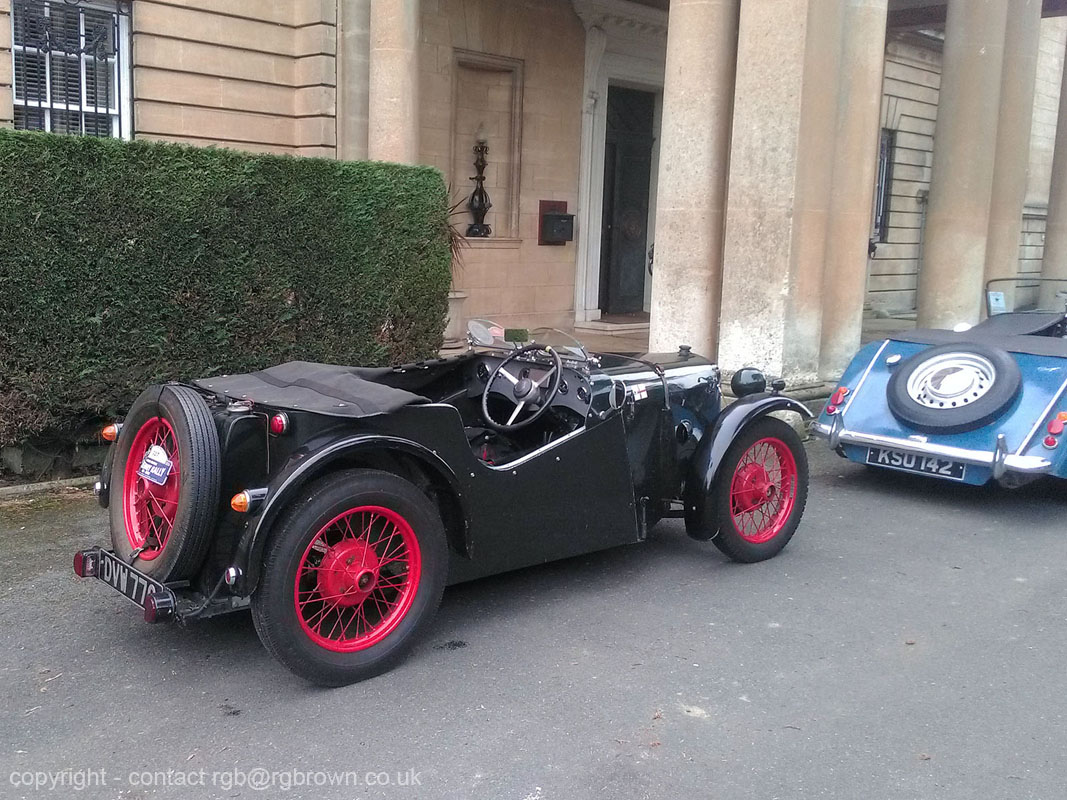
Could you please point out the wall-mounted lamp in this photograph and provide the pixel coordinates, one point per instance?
(479, 203)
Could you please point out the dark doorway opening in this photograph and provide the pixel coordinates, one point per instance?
(627, 172)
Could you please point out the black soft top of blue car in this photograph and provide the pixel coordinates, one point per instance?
(1016, 333)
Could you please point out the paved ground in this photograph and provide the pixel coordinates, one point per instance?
(909, 643)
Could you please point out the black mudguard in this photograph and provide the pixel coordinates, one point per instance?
(700, 517)
(288, 484)
(104, 490)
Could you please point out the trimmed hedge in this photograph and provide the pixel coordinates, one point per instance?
(124, 264)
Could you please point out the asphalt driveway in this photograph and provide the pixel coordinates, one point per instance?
(911, 642)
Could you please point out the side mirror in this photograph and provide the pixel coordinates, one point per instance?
(618, 394)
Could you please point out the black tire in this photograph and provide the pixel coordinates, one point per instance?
(1007, 381)
(729, 538)
(197, 482)
(274, 612)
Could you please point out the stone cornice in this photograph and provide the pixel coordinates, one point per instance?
(621, 16)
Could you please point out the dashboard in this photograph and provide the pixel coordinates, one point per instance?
(575, 392)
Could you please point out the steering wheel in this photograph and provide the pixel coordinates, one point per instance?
(523, 392)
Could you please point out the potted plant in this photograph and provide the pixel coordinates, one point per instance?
(455, 325)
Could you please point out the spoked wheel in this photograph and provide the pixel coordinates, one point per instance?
(164, 528)
(149, 509)
(357, 578)
(761, 491)
(353, 575)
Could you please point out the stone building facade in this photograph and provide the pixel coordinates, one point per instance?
(726, 161)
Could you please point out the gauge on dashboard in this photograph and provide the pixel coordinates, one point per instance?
(563, 388)
(583, 394)
(483, 373)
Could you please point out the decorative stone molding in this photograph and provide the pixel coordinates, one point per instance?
(622, 17)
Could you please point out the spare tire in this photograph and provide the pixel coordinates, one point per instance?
(164, 529)
(953, 388)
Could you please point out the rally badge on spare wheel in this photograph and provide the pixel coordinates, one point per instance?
(155, 466)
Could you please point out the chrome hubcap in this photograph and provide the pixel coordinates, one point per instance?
(951, 380)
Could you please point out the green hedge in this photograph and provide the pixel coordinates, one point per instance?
(123, 264)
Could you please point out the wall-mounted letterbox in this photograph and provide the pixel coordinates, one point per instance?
(557, 226)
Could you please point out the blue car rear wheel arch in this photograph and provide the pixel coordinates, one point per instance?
(953, 388)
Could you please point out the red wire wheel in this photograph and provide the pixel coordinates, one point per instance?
(760, 491)
(763, 490)
(149, 509)
(357, 579)
(352, 576)
(165, 530)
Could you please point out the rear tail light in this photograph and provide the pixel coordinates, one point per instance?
(111, 432)
(158, 607)
(85, 564)
(1050, 442)
(836, 399)
(279, 424)
(1055, 427)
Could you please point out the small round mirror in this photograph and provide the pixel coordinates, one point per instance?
(618, 394)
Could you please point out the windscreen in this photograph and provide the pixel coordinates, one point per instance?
(1023, 294)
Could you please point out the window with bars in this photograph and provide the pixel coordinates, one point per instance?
(884, 190)
(71, 66)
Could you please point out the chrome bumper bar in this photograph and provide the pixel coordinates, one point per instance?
(999, 459)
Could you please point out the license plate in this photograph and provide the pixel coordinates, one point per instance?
(120, 576)
(912, 462)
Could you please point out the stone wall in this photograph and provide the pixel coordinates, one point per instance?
(533, 152)
(241, 73)
(909, 106)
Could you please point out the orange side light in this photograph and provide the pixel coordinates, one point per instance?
(240, 502)
(110, 433)
(1062, 416)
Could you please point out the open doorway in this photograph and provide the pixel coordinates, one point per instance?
(624, 233)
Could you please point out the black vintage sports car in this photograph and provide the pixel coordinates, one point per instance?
(338, 502)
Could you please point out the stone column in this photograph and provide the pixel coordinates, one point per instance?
(1013, 141)
(353, 78)
(1054, 264)
(852, 196)
(393, 104)
(691, 190)
(957, 222)
(785, 113)
(587, 269)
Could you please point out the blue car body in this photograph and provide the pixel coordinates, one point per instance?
(1020, 441)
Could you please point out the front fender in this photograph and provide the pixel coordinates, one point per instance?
(700, 516)
(288, 484)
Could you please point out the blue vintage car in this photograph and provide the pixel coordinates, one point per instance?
(966, 405)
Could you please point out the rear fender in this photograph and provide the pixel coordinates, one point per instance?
(700, 516)
(349, 451)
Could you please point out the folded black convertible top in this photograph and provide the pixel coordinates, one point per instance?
(1034, 345)
(322, 388)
